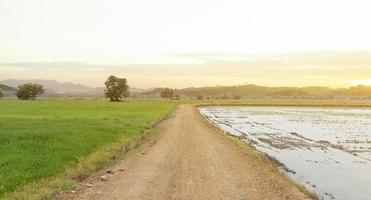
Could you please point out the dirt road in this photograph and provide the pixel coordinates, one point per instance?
(190, 160)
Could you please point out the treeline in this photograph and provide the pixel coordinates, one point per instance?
(251, 91)
(23, 92)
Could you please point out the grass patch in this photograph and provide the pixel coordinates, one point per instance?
(52, 141)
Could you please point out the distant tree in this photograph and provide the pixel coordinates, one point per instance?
(1, 94)
(200, 97)
(176, 97)
(167, 93)
(29, 91)
(225, 96)
(290, 92)
(116, 88)
(236, 97)
(360, 90)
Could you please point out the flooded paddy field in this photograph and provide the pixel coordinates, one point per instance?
(326, 149)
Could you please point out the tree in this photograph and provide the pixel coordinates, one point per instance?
(236, 97)
(200, 97)
(167, 93)
(1, 94)
(29, 91)
(176, 97)
(225, 96)
(116, 88)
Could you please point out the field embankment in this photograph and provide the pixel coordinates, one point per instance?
(56, 142)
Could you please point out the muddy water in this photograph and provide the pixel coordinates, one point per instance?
(326, 149)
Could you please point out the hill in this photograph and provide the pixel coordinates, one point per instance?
(67, 89)
(56, 86)
(4, 87)
(60, 89)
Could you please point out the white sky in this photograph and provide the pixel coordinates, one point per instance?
(128, 32)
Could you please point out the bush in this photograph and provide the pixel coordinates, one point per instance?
(236, 97)
(176, 97)
(225, 97)
(167, 93)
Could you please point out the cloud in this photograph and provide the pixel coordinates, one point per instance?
(300, 59)
(95, 69)
(213, 56)
(9, 69)
(56, 66)
(308, 68)
(359, 82)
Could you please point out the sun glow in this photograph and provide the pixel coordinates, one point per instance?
(266, 42)
(360, 82)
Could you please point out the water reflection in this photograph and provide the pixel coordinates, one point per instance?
(326, 149)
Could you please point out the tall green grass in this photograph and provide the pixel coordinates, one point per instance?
(40, 139)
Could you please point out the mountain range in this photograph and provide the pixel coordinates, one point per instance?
(55, 88)
(67, 89)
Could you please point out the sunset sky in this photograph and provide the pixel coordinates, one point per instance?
(188, 43)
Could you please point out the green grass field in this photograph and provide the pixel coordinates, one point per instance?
(44, 138)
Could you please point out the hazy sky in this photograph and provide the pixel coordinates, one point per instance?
(189, 42)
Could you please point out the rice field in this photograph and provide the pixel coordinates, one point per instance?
(326, 149)
(44, 138)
